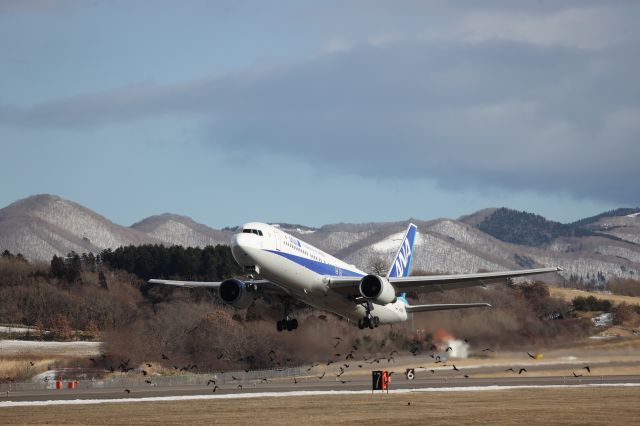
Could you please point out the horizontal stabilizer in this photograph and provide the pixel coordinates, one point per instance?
(445, 306)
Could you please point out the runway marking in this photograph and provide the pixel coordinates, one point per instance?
(5, 404)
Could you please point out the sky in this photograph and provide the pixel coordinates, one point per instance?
(317, 112)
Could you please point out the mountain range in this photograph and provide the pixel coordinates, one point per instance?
(592, 249)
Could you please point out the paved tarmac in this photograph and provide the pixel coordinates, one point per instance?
(308, 384)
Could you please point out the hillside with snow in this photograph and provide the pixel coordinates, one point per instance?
(591, 250)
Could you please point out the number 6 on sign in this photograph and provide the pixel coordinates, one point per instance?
(410, 373)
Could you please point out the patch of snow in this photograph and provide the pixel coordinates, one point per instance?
(634, 214)
(603, 320)
(392, 242)
(17, 330)
(17, 347)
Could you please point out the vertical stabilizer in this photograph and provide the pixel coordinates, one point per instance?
(401, 266)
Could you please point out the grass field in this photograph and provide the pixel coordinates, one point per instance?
(602, 405)
(569, 294)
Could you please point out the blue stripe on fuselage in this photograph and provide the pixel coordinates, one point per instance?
(317, 267)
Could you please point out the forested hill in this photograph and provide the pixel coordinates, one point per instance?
(530, 229)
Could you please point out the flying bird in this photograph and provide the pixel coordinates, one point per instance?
(215, 388)
(90, 359)
(455, 368)
(391, 359)
(531, 355)
(576, 375)
(211, 381)
(449, 348)
(234, 378)
(148, 381)
(466, 376)
(295, 380)
(349, 356)
(344, 381)
(127, 390)
(510, 369)
(265, 380)
(320, 377)
(488, 350)
(337, 343)
(522, 370)
(148, 365)
(338, 338)
(337, 355)
(165, 357)
(144, 372)
(393, 352)
(586, 367)
(220, 356)
(355, 348)
(240, 387)
(359, 365)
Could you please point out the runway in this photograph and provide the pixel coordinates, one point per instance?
(310, 385)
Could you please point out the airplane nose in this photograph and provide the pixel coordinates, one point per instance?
(238, 243)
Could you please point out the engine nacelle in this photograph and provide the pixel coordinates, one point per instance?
(377, 289)
(236, 293)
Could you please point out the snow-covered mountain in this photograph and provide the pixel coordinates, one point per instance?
(592, 249)
(43, 225)
(172, 229)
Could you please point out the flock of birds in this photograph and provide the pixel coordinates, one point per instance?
(343, 362)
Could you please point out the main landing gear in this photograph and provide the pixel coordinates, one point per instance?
(369, 320)
(287, 323)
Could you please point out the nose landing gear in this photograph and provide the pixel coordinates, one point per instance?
(287, 323)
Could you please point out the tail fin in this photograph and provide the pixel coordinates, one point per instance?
(401, 265)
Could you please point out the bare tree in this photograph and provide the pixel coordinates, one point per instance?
(378, 265)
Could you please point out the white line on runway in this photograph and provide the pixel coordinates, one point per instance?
(4, 404)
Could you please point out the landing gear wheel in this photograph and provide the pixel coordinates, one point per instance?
(376, 321)
(294, 324)
(279, 325)
(361, 323)
(370, 323)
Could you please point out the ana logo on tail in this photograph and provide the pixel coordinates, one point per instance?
(401, 265)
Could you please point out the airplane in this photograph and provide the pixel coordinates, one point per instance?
(280, 264)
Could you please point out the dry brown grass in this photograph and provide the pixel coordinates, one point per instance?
(15, 369)
(569, 294)
(527, 406)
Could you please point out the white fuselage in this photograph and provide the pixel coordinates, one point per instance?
(301, 271)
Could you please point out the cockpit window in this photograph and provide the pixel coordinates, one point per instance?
(252, 231)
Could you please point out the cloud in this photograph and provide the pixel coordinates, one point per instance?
(591, 27)
(509, 109)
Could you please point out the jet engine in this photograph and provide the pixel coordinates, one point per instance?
(236, 293)
(377, 289)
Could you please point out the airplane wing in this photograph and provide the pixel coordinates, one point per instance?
(445, 306)
(187, 284)
(429, 283)
(263, 285)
